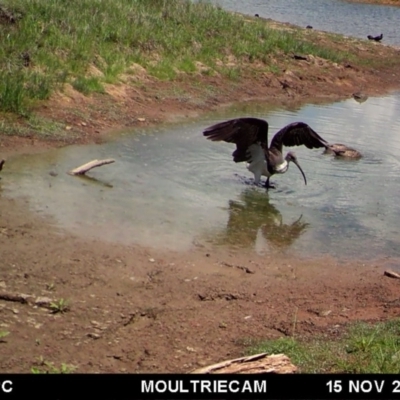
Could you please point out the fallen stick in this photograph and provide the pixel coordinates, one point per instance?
(27, 299)
(391, 274)
(88, 166)
(18, 298)
(1, 164)
(258, 364)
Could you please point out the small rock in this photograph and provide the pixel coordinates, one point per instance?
(43, 301)
(3, 285)
(141, 119)
(93, 335)
(152, 260)
(26, 297)
(325, 313)
(247, 317)
(68, 128)
(83, 123)
(191, 349)
(15, 311)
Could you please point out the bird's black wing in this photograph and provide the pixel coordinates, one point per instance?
(297, 134)
(243, 132)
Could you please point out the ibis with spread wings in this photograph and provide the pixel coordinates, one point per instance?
(251, 138)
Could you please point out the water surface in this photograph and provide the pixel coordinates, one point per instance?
(351, 19)
(172, 188)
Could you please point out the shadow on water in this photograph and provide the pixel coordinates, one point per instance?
(253, 220)
(95, 181)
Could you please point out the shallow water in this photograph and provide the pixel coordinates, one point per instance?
(172, 188)
(351, 19)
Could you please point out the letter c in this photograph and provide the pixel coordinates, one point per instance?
(6, 386)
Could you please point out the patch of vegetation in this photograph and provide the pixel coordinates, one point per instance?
(42, 127)
(365, 348)
(88, 85)
(60, 306)
(46, 367)
(50, 286)
(3, 334)
(89, 42)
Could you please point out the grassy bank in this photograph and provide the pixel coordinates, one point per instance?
(363, 349)
(88, 43)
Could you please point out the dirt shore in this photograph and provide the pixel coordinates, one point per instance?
(133, 309)
(139, 310)
(378, 2)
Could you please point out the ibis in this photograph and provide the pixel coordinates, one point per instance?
(251, 138)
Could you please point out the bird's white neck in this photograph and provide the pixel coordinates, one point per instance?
(281, 168)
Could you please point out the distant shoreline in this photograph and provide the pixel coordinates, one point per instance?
(380, 2)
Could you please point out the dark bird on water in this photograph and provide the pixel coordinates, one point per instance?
(251, 138)
(376, 38)
(256, 15)
(343, 151)
(309, 27)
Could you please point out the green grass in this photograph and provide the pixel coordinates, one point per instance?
(57, 41)
(88, 85)
(44, 128)
(364, 348)
(46, 367)
(60, 306)
(3, 334)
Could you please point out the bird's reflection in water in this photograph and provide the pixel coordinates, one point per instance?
(252, 218)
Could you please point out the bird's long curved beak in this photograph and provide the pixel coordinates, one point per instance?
(298, 166)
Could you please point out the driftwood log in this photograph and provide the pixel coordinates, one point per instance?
(391, 274)
(88, 166)
(258, 364)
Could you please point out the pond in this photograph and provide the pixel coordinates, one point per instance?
(338, 16)
(171, 188)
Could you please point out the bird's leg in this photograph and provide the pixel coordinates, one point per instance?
(257, 178)
(268, 185)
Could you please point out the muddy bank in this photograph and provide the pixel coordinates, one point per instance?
(140, 310)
